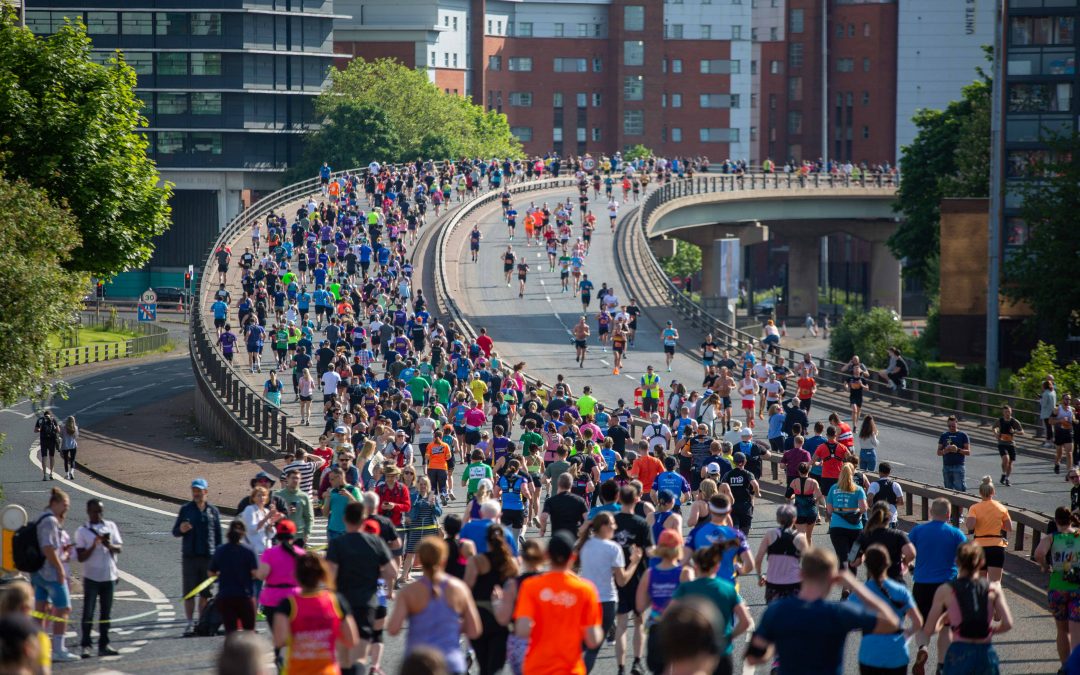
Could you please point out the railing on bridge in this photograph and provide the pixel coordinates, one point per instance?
(980, 404)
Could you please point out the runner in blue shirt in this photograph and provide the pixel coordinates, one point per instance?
(736, 558)
(221, 313)
(585, 288)
(669, 337)
(255, 334)
(672, 481)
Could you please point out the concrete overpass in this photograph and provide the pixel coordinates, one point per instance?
(800, 211)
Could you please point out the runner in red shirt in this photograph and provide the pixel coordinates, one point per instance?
(807, 387)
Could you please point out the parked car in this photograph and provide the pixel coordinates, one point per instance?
(171, 294)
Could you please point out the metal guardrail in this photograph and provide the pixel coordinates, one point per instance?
(938, 398)
(152, 337)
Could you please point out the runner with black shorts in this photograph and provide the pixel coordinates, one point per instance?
(580, 332)
(509, 258)
(1006, 430)
(474, 241)
(632, 311)
(522, 271)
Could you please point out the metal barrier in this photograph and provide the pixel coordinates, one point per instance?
(153, 337)
(938, 398)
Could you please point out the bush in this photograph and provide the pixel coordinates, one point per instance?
(1044, 361)
(868, 335)
(637, 152)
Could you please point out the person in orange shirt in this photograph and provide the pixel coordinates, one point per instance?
(558, 612)
(646, 468)
(438, 466)
(807, 387)
(989, 524)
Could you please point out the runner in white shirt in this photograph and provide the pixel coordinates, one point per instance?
(330, 381)
(761, 371)
(657, 434)
(613, 212)
(748, 391)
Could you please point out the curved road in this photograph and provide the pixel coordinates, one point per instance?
(535, 329)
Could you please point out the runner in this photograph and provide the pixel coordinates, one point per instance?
(474, 242)
(585, 287)
(936, 543)
(580, 331)
(619, 339)
(1060, 555)
(748, 392)
(1006, 431)
(669, 337)
(509, 258)
(522, 272)
(1063, 420)
(857, 382)
(708, 353)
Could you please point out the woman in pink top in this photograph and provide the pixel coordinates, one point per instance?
(277, 570)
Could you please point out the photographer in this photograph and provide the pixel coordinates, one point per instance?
(97, 543)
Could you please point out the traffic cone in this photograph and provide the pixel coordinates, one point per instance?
(783, 329)
(181, 309)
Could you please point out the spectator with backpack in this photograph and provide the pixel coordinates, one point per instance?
(48, 430)
(43, 550)
(199, 526)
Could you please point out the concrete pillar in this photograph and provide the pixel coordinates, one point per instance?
(885, 282)
(803, 276)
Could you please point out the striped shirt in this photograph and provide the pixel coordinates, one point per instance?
(307, 473)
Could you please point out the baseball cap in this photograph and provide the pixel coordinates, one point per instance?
(747, 432)
(670, 538)
(284, 527)
(712, 468)
(561, 545)
(341, 430)
(200, 483)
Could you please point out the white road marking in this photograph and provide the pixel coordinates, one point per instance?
(1032, 491)
(16, 412)
(35, 446)
(115, 386)
(114, 396)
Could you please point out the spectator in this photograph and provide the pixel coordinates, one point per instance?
(199, 526)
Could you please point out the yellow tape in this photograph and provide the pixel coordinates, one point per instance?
(200, 588)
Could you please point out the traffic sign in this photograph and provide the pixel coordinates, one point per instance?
(147, 311)
(588, 163)
(148, 297)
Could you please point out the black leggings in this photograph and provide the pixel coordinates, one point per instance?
(69, 458)
(606, 622)
(843, 539)
(490, 647)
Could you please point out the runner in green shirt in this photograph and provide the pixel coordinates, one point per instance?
(586, 404)
(417, 386)
(476, 471)
(442, 391)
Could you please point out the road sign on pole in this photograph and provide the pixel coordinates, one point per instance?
(149, 297)
(147, 311)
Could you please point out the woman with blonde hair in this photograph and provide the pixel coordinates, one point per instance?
(305, 389)
(989, 524)
(259, 519)
(438, 607)
(846, 504)
(17, 598)
(370, 463)
(422, 519)
(484, 491)
(69, 444)
(699, 510)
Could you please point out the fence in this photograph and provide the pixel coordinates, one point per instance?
(152, 337)
(980, 404)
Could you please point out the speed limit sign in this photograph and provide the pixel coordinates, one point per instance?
(148, 297)
(588, 164)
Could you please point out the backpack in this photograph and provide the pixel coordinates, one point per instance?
(210, 620)
(50, 429)
(25, 548)
(885, 492)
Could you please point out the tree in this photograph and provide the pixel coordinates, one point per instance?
(639, 151)
(949, 157)
(419, 113)
(70, 126)
(868, 335)
(1027, 381)
(1042, 271)
(37, 239)
(350, 137)
(686, 261)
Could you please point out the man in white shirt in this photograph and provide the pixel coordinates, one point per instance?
(97, 543)
(889, 490)
(330, 380)
(657, 434)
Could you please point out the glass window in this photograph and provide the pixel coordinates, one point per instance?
(205, 103)
(633, 122)
(523, 134)
(774, 34)
(206, 23)
(137, 23)
(1041, 97)
(39, 23)
(718, 100)
(597, 65)
(494, 62)
(520, 64)
(581, 134)
(795, 20)
(845, 65)
(776, 67)
(794, 122)
(147, 99)
(674, 31)
(676, 100)
(851, 30)
(597, 99)
(455, 59)
(172, 104)
(866, 30)
(556, 134)
(525, 29)
(634, 17)
(1042, 30)
(141, 62)
(205, 143)
(633, 53)
(102, 23)
(170, 142)
(203, 63)
(866, 132)
(676, 134)
(633, 88)
(753, 34)
(521, 99)
(171, 63)
(582, 100)
(583, 31)
(556, 99)
(596, 134)
(172, 23)
(719, 67)
(706, 32)
(489, 27)
(676, 65)
(567, 65)
(446, 59)
(718, 135)
(794, 88)
(560, 29)
(736, 32)
(795, 55)
(866, 65)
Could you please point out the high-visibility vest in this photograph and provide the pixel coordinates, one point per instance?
(649, 381)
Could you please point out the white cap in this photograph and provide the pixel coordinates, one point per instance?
(712, 468)
(747, 432)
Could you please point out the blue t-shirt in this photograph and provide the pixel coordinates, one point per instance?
(603, 508)
(708, 533)
(844, 500)
(221, 310)
(669, 480)
(936, 543)
(810, 636)
(887, 650)
(476, 532)
(957, 438)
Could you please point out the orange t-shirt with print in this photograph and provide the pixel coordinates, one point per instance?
(561, 605)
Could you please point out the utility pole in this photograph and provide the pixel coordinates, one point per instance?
(997, 165)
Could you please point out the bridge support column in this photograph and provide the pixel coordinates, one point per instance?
(885, 283)
(803, 275)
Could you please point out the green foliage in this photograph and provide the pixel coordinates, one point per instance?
(36, 240)
(1042, 272)
(70, 126)
(949, 157)
(868, 335)
(350, 137)
(686, 261)
(639, 151)
(419, 114)
(1044, 361)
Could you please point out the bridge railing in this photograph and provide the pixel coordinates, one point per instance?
(975, 403)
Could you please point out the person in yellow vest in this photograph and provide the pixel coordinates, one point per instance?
(650, 391)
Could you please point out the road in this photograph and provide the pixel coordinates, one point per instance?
(535, 329)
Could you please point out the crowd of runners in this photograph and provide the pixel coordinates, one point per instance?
(505, 524)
